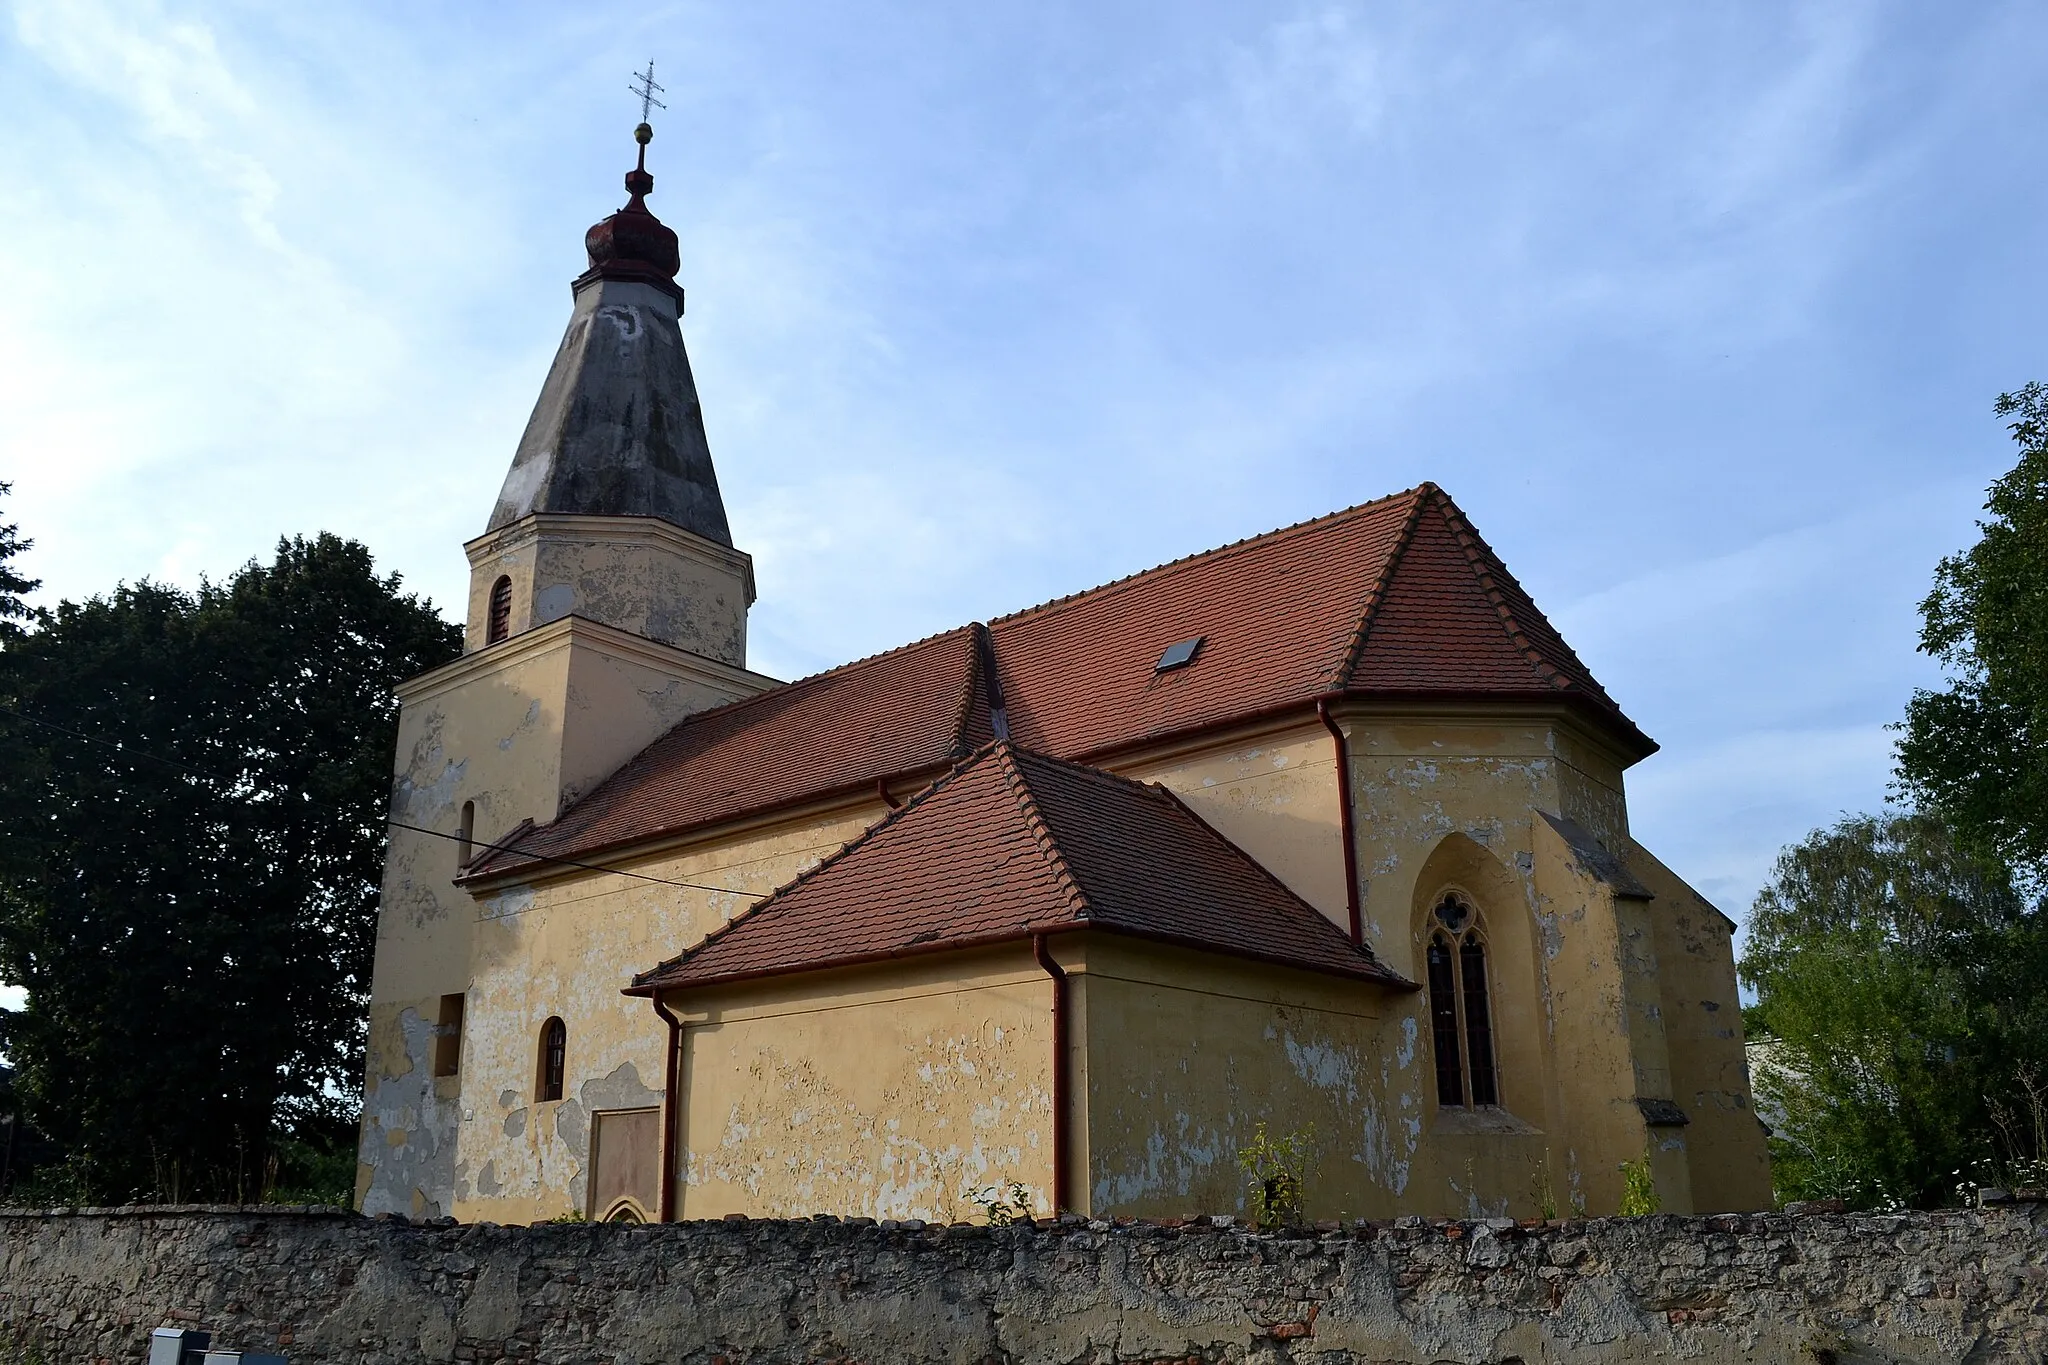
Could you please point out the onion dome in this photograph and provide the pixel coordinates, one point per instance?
(633, 244)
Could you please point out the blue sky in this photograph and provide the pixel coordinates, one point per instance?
(1698, 311)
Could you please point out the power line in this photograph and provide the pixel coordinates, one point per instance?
(130, 751)
(570, 862)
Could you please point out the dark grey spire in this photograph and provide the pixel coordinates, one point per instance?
(618, 430)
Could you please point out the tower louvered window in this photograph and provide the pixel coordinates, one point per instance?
(1460, 1008)
(498, 624)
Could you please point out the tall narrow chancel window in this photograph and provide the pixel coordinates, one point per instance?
(1460, 1010)
(554, 1057)
(498, 624)
(1443, 1019)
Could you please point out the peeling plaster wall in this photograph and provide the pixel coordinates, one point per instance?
(634, 573)
(566, 948)
(1477, 1163)
(517, 729)
(897, 1092)
(1597, 1028)
(1702, 1025)
(1418, 779)
(1580, 983)
(334, 1289)
(1188, 1052)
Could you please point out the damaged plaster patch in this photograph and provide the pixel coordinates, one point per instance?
(553, 602)
(1168, 1165)
(408, 1135)
(1324, 1065)
(513, 900)
(621, 1088)
(526, 724)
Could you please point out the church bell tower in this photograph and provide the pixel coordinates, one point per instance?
(606, 604)
(611, 508)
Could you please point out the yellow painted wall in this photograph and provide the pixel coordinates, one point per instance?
(518, 730)
(566, 948)
(1186, 1053)
(1176, 1055)
(1274, 796)
(1702, 1018)
(894, 1092)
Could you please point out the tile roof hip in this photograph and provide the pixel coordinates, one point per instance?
(1011, 844)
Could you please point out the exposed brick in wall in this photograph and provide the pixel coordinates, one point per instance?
(324, 1285)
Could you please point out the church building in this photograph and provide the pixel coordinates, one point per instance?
(1324, 832)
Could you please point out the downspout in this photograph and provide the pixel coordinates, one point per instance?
(1060, 1156)
(1345, 827)
(882, 790)
(669, 1106)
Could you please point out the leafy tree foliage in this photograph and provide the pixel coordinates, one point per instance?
(1902, 995)
(192, 796)
(1977, 751)
(12, 583)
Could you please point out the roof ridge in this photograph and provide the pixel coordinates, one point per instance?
(1041, 830)
(1369, 609)
(974, 686)
(1486, 563)
(807, 680)
(1238, 544)
(841, 853)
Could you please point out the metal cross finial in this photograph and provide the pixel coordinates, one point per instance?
(646, 90)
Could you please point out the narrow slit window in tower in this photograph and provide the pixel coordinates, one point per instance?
(499, 624)
(448, 1037)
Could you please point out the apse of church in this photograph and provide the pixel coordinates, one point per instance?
(1324, 831)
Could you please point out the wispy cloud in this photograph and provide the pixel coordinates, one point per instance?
(1697, 310)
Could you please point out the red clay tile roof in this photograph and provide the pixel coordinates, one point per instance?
(914, 709)
(1398, 597)
(1009, 844)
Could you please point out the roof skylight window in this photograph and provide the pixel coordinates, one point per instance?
(1179, 655)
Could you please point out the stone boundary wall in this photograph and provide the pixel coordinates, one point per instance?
(328, 1285)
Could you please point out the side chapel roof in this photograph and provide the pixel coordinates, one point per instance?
(1396, 599)
(1009, 844)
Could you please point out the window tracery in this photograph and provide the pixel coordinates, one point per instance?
(1460, 1006)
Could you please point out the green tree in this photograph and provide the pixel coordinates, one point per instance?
(1977, 750)
(1902, 995)
(192, 802)
(12, 583)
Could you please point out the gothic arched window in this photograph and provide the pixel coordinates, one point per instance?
(498, 624)
(1460, 1018)
(554, 1056)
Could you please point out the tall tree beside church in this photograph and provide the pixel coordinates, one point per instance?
(194, 811)
(1976, 751)
(12, 583)
(1902, 996)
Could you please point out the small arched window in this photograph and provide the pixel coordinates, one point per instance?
(466, 836)
(1460, 1017)
(554, 1056)
(498, 624)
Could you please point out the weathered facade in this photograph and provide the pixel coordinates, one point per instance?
(1326, 830)
(1725, 1289)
